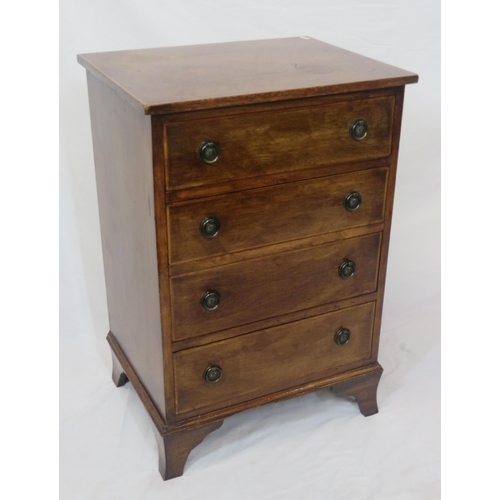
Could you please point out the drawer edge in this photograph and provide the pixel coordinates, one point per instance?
(339, 383)
(193, 266)
(266, 323)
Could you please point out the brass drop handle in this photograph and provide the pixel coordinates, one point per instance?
(358, 130)
(343, 336)
(210, 300)
(212, 374)
(208, 152)
(347, 269)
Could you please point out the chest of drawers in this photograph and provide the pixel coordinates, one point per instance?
(245, 197)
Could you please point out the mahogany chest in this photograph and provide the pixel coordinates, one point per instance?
(245, 197)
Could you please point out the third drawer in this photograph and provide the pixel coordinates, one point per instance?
(252, 290)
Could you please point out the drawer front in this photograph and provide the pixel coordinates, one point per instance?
(272, 285)
(261, 143)
(271, 360)
(265, 216)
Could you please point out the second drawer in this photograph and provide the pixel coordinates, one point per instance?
(248, 291)
(264, 216)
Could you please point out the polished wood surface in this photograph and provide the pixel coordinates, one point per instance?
(275, 179)
(280, 111)
(345, 379)
(286, 246)
(273, 285)
(272, 321)
(271, 360)
(259, 217)
(163, 269)
(260, 143)
(121, 137)
(176, 439)
(121, 365)
(389, 203)
(174, 448)
(172, 79)
(364, 390)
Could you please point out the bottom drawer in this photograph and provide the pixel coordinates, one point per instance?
(278, 358)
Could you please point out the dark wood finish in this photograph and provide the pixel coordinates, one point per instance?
(174, 449)
(270, 322)
(364, 390)
(275, 179)
(142, 392)
(278, 106)
(356, 376)
(163, 270)
(121, 137)
(280, 111)
(266, 216)
(180, 423)
(273, 285)
(171, 79)
(272, 360)
(287, 246)
(260, 143)
(389, 202)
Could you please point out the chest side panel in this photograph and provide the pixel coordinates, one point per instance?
(123, 159)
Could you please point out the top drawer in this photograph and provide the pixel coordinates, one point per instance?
(266, 142)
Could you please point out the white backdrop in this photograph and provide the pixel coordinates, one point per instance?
(314, 447)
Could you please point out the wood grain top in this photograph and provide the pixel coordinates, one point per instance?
(173, 79)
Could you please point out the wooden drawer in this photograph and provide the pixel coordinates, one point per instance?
(271, 360)
(265, 142)
(272, 285)
(259, 217)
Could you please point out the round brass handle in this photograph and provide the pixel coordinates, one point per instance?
(343, 336)
(209, 227)
(352, 201)
(210, 300)
(359, 130)
(347, 269)
(208, 152)
(212, 374)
